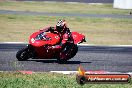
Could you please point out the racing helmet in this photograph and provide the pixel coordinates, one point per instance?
(60, 26)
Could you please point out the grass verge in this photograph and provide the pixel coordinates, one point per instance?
(61, 7)
(48, 80)
(104, 31)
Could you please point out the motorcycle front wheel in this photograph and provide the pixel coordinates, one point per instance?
(22, 54)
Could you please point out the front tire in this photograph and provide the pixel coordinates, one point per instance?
(22, 54)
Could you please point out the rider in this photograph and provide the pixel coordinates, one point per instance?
(63, 31)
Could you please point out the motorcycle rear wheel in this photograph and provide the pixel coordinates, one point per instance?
(64, 56)
(74, 51)
(22, 54)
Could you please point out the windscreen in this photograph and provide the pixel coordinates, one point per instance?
(42, 36)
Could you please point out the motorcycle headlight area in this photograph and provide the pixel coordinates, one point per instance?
(32, 40)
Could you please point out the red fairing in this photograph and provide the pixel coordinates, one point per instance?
(78, 37)
(54, 39)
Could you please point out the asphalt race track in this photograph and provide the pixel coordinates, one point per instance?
(82, 1)
(114, 59)
(66, 14)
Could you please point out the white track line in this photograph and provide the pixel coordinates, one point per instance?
(13, 43)
(89, 72)
(78, 44)
(65, 72)
(76, 72)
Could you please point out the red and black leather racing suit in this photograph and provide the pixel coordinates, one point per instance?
(65, 37)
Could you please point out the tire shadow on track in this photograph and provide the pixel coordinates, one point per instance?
(55, 61)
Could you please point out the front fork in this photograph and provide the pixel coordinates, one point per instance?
(31, 51)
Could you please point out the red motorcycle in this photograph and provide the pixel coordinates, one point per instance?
(39, 42)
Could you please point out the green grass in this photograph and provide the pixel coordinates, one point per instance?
(61, 7)
(103, 31)
(48, 80)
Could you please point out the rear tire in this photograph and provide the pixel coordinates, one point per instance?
(68, 53)
(74, 51)
(22, 54)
